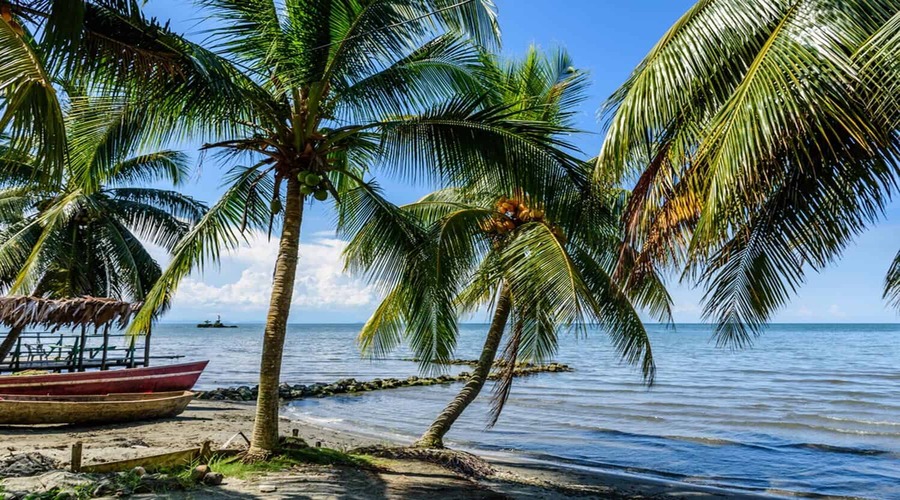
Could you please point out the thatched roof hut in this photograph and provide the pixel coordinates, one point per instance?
(23, 311)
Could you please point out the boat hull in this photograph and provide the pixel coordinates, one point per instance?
(181, 377)
(113, 408)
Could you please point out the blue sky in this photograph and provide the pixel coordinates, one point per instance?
(605, 37)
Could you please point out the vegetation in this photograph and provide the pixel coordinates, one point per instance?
(537, 275)
(84, 233)
(760, 138)
(315, 94)
(285, 459)
(538, 262)
(541, 263)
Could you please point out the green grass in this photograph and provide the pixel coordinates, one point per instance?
(233, 467)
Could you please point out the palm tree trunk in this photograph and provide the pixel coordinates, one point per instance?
(265, 428)
(434, 436)
(9, 342)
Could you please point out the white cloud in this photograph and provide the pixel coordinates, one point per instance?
(320, 282)
(804, 312)
(835, 311)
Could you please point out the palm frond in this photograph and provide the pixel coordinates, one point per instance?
(30, 113)
(219, 230)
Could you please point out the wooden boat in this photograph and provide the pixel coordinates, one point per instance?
(180, 377)
(112, 408)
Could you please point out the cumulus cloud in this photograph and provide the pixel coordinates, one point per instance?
(320, 283)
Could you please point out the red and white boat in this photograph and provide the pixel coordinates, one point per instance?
(169, 378)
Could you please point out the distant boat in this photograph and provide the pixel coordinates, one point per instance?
(180, 377)
(112, 408)
(216, 324)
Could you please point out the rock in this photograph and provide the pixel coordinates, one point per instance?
(244, 393)
(158, 482)
(293, 443)
(103, 488)
(267, 488)
(139, 471)
(57, 480)
(213, 479)
(26, 464)
(199, 473)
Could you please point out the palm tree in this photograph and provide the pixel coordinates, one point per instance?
(760, 138)
(104, 44)
(465, 248)
(85, 234)
(312, 95)
(458, 251)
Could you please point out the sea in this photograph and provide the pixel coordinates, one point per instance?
(809, 410)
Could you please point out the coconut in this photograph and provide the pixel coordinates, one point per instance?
(276, 205)
(321, 195)
(312, 179)
(307, 190)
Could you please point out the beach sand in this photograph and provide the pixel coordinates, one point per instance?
(221, 421)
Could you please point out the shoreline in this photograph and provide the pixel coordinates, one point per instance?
(218, 421)
(562, 474)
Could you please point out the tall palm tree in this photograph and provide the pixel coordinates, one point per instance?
(459, 248)
(85, 234)
(760, 138)
(314, 94)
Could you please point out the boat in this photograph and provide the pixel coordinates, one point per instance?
(180, 377)
(112, 408)
(216, 324)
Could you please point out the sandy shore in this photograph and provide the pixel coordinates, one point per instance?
(220, 422)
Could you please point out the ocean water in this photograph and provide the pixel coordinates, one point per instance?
(808, 410)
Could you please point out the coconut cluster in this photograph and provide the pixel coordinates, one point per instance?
(511, 213)
(313, 184)
(6, 14)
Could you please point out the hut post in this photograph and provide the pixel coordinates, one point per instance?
(12, 338)
(81, 346)
(18, 353)
(105, 347)
(132, 347)
(147, 347)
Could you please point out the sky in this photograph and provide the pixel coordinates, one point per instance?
(606, 38)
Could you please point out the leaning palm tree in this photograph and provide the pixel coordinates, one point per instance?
(760, 138)
(85, 234)
(310, 96)
(462, 230)
(457, 251)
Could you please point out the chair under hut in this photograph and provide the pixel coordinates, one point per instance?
(88, 320)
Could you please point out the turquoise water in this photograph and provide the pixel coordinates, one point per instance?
(810, 409)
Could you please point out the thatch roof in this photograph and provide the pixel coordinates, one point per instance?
(23, 311)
